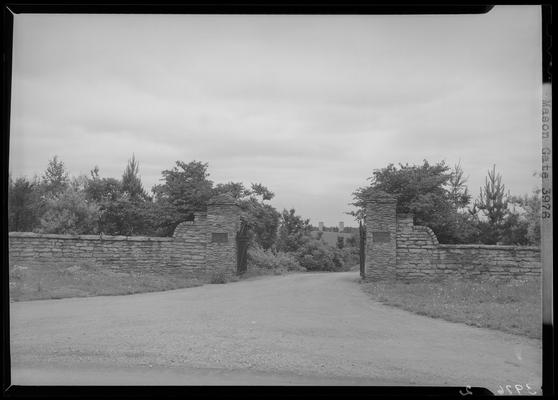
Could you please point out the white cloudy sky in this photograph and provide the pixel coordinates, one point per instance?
(307, 105)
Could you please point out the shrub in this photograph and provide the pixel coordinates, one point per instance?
(350, 256)
(313, 254)
(269, 260)
(69, 212)
(316, 255)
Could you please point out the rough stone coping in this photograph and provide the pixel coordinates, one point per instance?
(427, 230)
(90, 237)
(187, 223)
(487, 247)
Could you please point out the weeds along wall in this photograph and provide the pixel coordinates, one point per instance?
(419, 256)
(199, 248)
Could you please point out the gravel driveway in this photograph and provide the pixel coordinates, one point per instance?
(314, 329)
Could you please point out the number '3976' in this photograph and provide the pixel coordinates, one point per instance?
(519, 389)
(546, 203)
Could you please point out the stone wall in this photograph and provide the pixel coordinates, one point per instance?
(199, 248)
(118, 253)
(416, 249)
(419, 256)
(498, 262)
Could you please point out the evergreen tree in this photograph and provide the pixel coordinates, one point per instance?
(131, 181)
(55, 179)
(458, 192)
(493, 204)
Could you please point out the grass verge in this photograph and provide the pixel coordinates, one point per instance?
(56, 282)
(513, 307)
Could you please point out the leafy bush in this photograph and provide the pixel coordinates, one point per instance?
(317, 255)
(350, 257)
(273, 261)
(68, 212)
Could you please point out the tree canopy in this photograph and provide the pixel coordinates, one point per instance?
(438, 197)
(433, 193)
(436, 194)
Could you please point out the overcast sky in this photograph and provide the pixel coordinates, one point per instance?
(309, 106)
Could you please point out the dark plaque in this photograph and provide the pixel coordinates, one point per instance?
(380, 237)
(219, 237)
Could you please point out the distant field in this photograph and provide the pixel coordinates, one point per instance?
(509, 307)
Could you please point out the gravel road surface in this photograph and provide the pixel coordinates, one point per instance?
(300, 329)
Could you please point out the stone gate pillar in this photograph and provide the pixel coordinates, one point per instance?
(381, 234)
(223, 222)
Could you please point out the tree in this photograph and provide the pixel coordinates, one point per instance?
(102, 189)
(131, 181)
(515, 230)
(432, 193)
(262, 218)
(122, 211)
(23, 197)
(55, 179)
(185, 188)
(260, 190)
(292, 231)
(493, 204)
(532, 206)
(128, 217)
(235, 189)
(523, 223)
(458, 191)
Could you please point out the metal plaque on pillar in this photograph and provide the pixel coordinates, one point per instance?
(381, 237)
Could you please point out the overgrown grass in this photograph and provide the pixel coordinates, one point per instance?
(221, 277)
(513, 307)
(55, 282)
